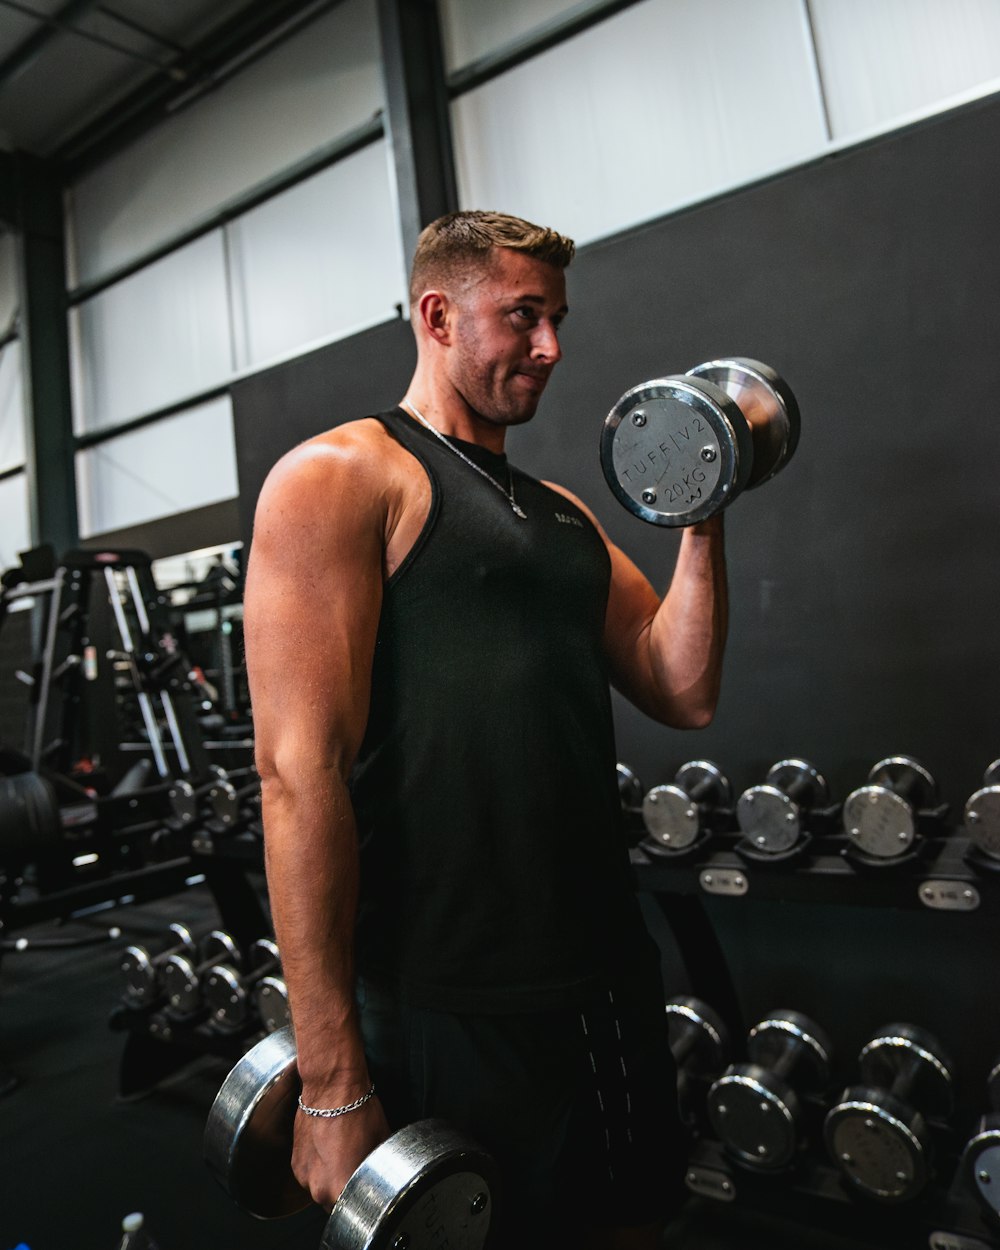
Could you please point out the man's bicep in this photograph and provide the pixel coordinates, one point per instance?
(311, 609)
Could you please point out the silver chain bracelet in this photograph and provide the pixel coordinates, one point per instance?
(328, 1113)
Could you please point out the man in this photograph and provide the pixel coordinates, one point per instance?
(430, 637)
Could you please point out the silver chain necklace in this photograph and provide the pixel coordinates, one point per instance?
(507, 494)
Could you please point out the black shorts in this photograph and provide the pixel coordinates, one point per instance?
(578, 1106)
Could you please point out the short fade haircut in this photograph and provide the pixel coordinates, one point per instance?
(450, 250)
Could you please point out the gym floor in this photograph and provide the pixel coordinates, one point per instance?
(77, 1158)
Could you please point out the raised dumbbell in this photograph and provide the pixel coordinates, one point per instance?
(773, 816)
(676, 815)
(982, 814)
(877, 1133)
(141, 970)
(699, 1043)
(182, 977)
(228, 994)
(270, 996)
(881, 817)
(981, 1156)
(678, 449)
(755, 1108)
(427, 1186)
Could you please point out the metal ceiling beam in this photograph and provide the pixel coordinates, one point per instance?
(418, 120)
(257, 28)
(29, 48)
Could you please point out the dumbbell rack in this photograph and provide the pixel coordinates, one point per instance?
(943, 872)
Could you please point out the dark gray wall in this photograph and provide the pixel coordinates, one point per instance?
(864, 595)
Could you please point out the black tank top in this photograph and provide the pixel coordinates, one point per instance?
(494, 869)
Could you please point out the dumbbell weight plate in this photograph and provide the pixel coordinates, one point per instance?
(981, 1160)
(881, 822)
(880, 1144)
(767, 404)
(676, 450)
(629, 786)
(672, 820)
(689, 1017)
(271, 1000)
(426, 1186)
(183, 802)
(139, 969)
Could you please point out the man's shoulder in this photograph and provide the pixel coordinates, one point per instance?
(356, 449)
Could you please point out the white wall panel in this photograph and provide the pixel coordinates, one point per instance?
(8, 279)
(662, 105)
(884, 59)
(154, 338)
(318, 85)
(473, 28)
(170, 466)
(14, 527)
(11, 407)
(317, 262)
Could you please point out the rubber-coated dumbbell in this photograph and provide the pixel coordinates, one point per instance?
(773, 816)
(756, 1108)
(141, 970)
(981, 1156)
(678, 449)
(629, 787)
(427, 1186)
(877, 1133)
(676, 815)
(982, 814)
(182, 978)
(881, 817)
(270, 997)
(699, 1043)
(228, 993)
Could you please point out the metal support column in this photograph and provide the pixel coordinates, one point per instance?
(45, 345)
(418, 120)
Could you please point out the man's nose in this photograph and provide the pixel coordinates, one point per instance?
(545, 343)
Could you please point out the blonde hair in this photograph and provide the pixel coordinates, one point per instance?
(453, 249)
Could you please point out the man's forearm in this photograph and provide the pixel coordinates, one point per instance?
(311, 852)
(687, 636)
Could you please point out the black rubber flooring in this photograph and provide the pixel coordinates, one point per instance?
(76, 1158)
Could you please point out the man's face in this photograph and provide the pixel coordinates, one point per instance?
(506, 342)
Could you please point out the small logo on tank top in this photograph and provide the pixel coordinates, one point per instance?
(564, 519)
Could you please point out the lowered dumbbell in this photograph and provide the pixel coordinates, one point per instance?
(676, 815)
(755, 1108)
(427, 1186)
(678, 449)
(881, 817)
(182, 977)
(877, 1134)
(981, 1156)
(982, 814)
(773, 816)
(229, 994)
(141, 970)
(270, 996)
(699, 1043)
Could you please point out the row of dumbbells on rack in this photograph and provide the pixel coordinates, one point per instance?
(225, 803)
(776, 1107)
(207, 983)
(886, 820)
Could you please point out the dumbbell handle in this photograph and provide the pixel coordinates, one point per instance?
(247, 980)
(685, 1043)
(701, 791)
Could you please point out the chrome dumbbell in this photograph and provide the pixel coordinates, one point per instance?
(982, 815)
(877, 1134)
(227, 800)
(183, 978)
(676, 815)
(270, 996)
(141, 971)
(881, 817)
(629, 787)
(699, 1044)
(756, 1108)
(981, 1156)
(229, 994)
(774, 816)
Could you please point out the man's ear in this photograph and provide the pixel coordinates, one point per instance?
(435, 312)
